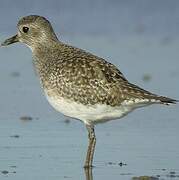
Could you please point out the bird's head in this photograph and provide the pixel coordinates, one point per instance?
(32, 30)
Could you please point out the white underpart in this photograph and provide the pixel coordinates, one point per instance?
(93, 114)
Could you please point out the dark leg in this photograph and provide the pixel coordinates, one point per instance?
(91, 146)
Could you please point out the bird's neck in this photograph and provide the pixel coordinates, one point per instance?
(44, 55)
(43, 51)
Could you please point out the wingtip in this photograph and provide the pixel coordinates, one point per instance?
(168, 101)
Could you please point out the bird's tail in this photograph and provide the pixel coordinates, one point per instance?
(140, 93)
(166, 100)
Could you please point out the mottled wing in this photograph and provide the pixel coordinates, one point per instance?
(88, 79)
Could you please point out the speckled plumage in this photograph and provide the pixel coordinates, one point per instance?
(78, 83)
(76, 75)
(85, 78)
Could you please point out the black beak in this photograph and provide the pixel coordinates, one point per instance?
(11, 40)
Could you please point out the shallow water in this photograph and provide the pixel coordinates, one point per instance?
(39, 143)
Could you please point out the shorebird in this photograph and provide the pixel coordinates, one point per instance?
(77, 83)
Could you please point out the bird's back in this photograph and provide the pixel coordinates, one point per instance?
(84, 78)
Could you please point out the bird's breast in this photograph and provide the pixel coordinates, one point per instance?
(97, 113)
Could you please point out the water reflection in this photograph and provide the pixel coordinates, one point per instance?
(88, 173)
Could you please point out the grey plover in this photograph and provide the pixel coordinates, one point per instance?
(77, 83)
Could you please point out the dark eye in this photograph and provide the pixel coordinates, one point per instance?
(25, 29)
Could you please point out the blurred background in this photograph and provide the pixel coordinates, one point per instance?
(141, 38)
(98, 17)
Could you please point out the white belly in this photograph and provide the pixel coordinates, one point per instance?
(91, 113)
